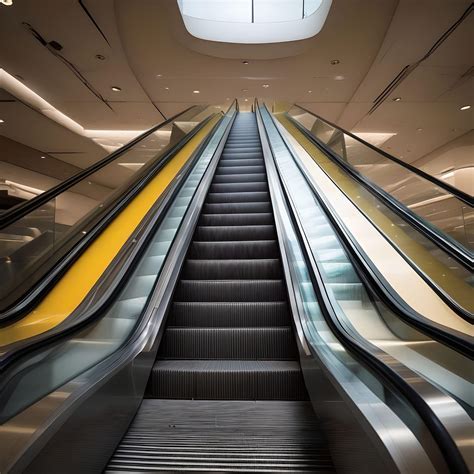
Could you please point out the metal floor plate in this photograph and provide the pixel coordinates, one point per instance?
(223, 436)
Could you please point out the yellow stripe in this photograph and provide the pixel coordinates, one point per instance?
(74, 286)
(446, 279)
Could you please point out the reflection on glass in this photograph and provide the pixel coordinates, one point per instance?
(54, 366)
(434, 205)
(448, 274)
(36, 241)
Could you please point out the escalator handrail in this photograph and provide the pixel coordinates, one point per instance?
(377, 284)
(461, 195)
(26, 302)
(449, 245)
(138, 241)
(20, 210)
(466, 262)
(355, 346)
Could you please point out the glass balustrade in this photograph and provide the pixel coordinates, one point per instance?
(34, 242)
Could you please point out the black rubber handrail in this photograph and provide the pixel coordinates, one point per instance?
(461, 195)
(447, 446)
(20, 210)
(449, 245)
(38, 290)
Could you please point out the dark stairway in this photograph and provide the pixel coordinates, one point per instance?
(226, 393)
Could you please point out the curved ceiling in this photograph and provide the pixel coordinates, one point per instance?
(142, 47)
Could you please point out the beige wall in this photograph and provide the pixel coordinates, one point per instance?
(457, 155)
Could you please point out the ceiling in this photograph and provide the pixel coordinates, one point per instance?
(142, 47)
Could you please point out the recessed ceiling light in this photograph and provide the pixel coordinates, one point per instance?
(2, 121)
(42, 157)
(335, 61)
(419, 129)
(89, 182)
(167, 88)
(196, 92)
(310, 92)
(246, 100)
(100, 57)
(159, 75)
(465, 107)
(338, 78)
(245, 62)
(265, 86)
(7, 3)
(245, 90)
(116, 88)
(227, 98)
(397, 99)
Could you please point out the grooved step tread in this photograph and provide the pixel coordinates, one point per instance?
(268, 343)
(242, 196)
(228, 379)
(241, 232)
(229, 314)
(234, 269)
(230, 290)
(257, 218)
(234, 249)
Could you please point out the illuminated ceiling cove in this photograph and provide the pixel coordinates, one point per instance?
(254, 21)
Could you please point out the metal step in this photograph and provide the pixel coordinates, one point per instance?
(239, 187)
(234, 249)
(241, 232)
(249, 196)
(242, 162)
(237, 269)
(237, 207)
(258, 218)
(240, 178)
(276, 343)
(222, 170)
(229, 314)
(230, 290)
(227, 380)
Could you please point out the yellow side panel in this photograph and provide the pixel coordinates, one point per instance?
(456, 287)
(74, 286)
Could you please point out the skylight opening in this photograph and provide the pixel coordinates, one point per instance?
(254, 21)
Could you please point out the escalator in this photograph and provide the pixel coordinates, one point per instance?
(223, 351)
(226, 390)
(425, 219)
(87, 221)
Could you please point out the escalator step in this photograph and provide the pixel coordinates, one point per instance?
(232, 290)
(222, 170)
(231, 269)
(239, 187)
(260, 218)
(233, 232)
(237, 208)
(250, 196)
(234, 249)
(274, 343)
(227, 380)
(242, 162)
(199, 314)
(240, 154)
(240, 178)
